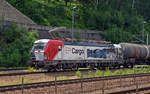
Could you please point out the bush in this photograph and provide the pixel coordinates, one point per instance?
(128, 71)
(118, 72)
(31, 69)
(98, 73)
(107, 72)
(16, 43)
(78, 74)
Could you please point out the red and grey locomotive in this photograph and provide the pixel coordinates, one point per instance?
(57, 54)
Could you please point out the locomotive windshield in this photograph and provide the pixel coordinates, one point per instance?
(39, 46)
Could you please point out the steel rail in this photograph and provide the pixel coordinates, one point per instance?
(21, 73)
(64, 82)
(9, 69)
(27, 73)
(38, 72)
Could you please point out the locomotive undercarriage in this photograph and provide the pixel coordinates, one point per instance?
(75, 64)
(100, 64)
(142, 62)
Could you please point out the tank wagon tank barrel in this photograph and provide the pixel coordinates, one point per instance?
(135, 51)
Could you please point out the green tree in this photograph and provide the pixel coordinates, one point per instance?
(16, 43)
(113, 17)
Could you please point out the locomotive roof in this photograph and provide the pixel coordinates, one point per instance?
(88, 44)
(78, 43)
(42, 40)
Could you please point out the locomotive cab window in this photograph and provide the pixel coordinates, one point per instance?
(39, 46)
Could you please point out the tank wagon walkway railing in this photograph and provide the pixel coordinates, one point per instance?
(120, 84)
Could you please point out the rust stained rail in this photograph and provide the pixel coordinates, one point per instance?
(73, 81)
(9, 69)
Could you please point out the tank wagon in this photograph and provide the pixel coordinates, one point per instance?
(57, 54)
(136, 53)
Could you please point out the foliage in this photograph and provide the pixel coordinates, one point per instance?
(78, 74)
(118, 20)
(77, 36)
(15, 46)
(58, 35)
(31, 69)
(118, 72)
(107, 72)
(98, 73)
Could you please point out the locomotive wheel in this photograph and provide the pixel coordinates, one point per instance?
(132, 65)
(52, 69)
(125, 66)
(118, 67)
(36, 67)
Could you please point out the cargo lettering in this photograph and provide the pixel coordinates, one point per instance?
(77, 51)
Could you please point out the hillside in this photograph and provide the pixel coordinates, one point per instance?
(119, 20)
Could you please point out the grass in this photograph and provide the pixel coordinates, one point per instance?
(108, 72)
(43, 77)
(78, 74)
(31, 69)
(4, 72)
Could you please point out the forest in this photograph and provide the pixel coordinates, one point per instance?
(116, 20)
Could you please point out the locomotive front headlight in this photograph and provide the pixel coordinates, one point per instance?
(46, 57)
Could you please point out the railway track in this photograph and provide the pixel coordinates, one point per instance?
(131, 91)
(40, 72)
(9, 73)
(105, 83)
(10, 69)
(22, 73)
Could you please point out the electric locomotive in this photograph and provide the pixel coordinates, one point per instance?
(58, 54)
